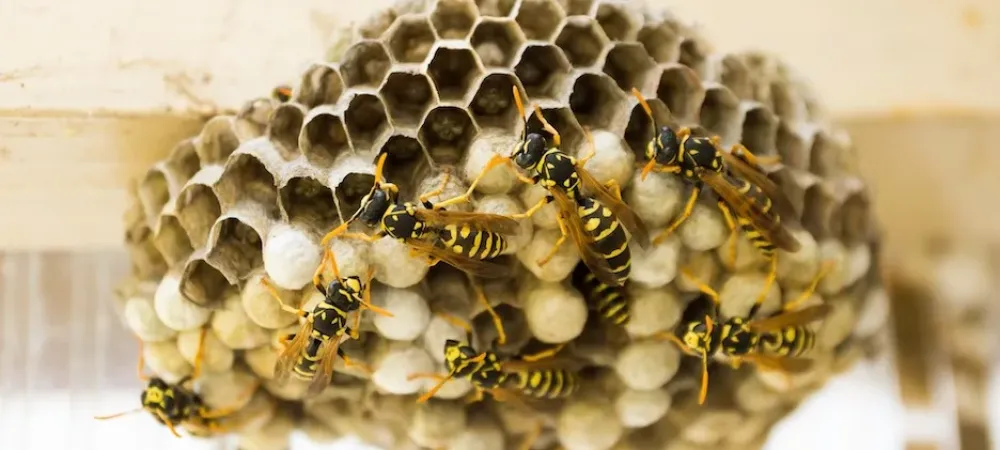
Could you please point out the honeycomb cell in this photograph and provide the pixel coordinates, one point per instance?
(408, 96)
(366, 120)
(855, 218)
(682, 92)
(350, 190)
(720, 113)
(453, 69)
(238, 248)
(376, 25)
(183, 161)
(824, 155)
(817, 211)
(246, 178)
(153, 192)
(496, 8)
(492, 105)
(453, 19)
(662, 41)
(784, 102)
(284, 127)
(217, 141)
(791, 147)
(365, 64)
(402, 147)
(497, 41)
(171, 240)
(447, 132)
(542, 68)
(640, 129)
(693, 55)
(321, 85)
(539, 19)
(619, 21)
(583, 41)
(324, 137)
(307, 200)
(597, 102)
(411, 39)
(203, 284)
(760, 130)
(564, 121)
(630, 66)
(735, 76)
(197, 209)
(577, 7)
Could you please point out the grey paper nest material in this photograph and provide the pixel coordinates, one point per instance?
(430, 83)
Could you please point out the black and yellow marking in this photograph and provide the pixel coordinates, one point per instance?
(610, 302)
(545, 384)
(478, 244)
(610, 240)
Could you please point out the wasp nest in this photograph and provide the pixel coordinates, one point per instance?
(430, 83)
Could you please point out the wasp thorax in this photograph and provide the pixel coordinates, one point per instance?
(702, 153)
(373, 207)
(530, 151)
(352, 286)
(738, 337)
(664, 148)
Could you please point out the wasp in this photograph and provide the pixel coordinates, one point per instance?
(747, 198)
(776, 343)
(610, 302)
(282, 93)
(596, 222)
(309, 353)
(467, 241)
(177, 405)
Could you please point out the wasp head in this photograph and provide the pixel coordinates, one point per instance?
(157, 397)
(344, 294)
(703, 154)
(530, 151)
(374, 205)
(457, 354)
(664, 148)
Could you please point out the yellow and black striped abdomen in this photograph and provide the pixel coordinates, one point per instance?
(610, 240)
(789, 341)
(308, 361)
(545, 384)
(476, 244)
(610, 302)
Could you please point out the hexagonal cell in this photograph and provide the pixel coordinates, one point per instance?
(582, 40)
(542, 69)
(564, 121)
(496, 41)
(496, 8)
(197, 209)
(324, 137)
(682, 92)
(153, 193)
(791, 148)
(639, 130)
(447, 132)
(824, 155)
(453, 69)
(630, 66)
(817, 211)
(539, 18)
(366, 120)
(597, 102)
(217, 141)
(183, 161)
(284, 128)
(856, 218)
(203, 284)
(405, 152)
(147, 262)
(619, 21)
(411, 38)
(760, 131)
(720, 113)
(306, 200)
(171, 240)
(493, 106)
(662, 41)
(321, 85)
(735, 76)
(246, 178)
(376, 24)
(785, 103)
(408, 97)
(693, 55)
(577, 7)
(453, 19)
(365, 64)
(238, 249)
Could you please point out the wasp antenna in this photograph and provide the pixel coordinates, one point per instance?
(115, 416)
(644, 104)
(548, 127)
(520, 110)
(379, 166)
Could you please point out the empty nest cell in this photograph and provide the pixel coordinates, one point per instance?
(401, 148)
(791, 147)
(366, 120)
(411, 38)
(692, 55)
(203, 284)
(583, 41)
(408, 96)
(596, 101)
(630, 66)
(542, 68)
(564, 121)
(619, 21)
(351, 190)
(492, 106)
(183, 161)
(735, 76)
(662, 41)
(496, 8)
(453, 19)
(197, 209)
(447, 132)
(324, 137)
(217, 141)
(238, 248)
(284, 128)
(453, 70)
(321, 85)
(760, 131)
(306, 200)
(153, 193)
(497, 41)
(720, 113)
(640, 129)
(539, 19)
(245, 178)
(171, 240)
(365, 64)
(681, 91)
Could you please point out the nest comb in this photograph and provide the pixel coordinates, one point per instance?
(429, 82)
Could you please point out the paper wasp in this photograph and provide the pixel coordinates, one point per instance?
(596, 222)
(776, 343)
(747, 198)
(309, 353)
(177, 405)
(467, 241)
(610, 302)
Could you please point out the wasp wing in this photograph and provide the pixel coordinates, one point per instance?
(495, 223)
(767, 223)
(292, 353)
(584, 241)
(758, 177)
(629, 219)
(779, 364)
(792, 318)
(327, 359)
(476, 267)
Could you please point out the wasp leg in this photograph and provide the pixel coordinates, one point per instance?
(274, 293)
(454, 320)
(683, 133)
(740, 151)
(544, 354)
(141, 364)
(497, 322)
(651, 166)
(496, 160)
(348, 362)
(688, 208)
(727, 214)
(436, 191)
(666, 335)
(532, 436)
(771, 275)
(222, 412)
(704, 288)
(580, 162)
(563, 232)
(794, 304)
(199, 356)
(614, 188)
(534, 209)
(476, 396)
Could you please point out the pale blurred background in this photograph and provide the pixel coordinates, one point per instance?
(93, 91)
